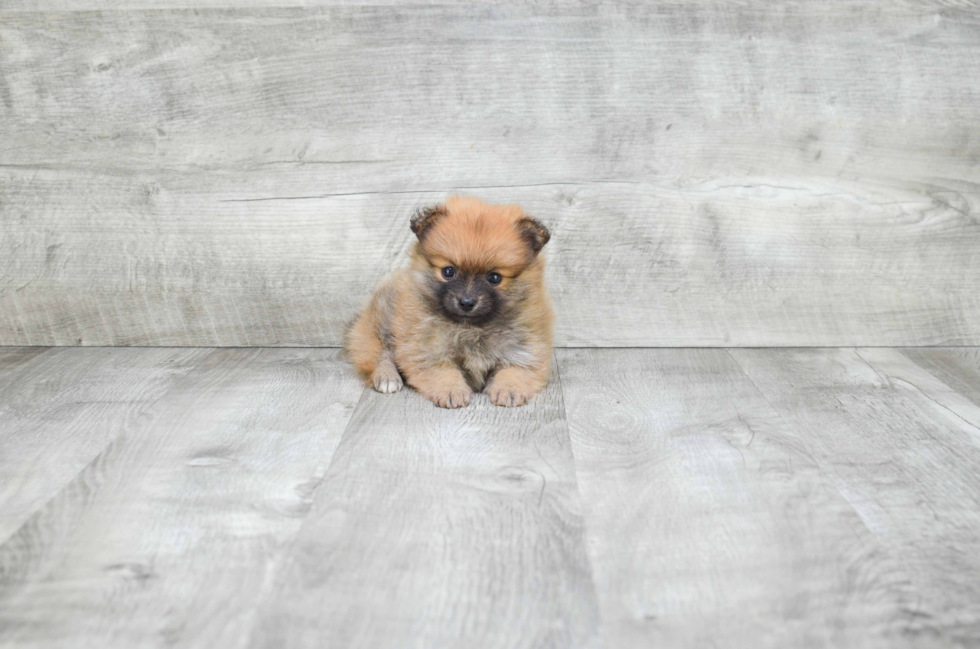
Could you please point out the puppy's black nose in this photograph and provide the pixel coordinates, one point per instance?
(467, 303)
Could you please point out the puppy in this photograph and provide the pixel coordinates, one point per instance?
(470, 310)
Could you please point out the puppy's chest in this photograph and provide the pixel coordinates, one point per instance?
(482, 349)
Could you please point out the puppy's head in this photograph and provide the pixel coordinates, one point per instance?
(475, 254)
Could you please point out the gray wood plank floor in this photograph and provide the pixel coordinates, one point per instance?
(675, 497)
(465, 526)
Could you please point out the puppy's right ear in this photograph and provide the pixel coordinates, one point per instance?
(425, 218)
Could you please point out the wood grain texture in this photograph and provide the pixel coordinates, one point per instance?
(173, 533)
(826, 498)
(709, 264)
(957, 368)
(17, 6)
(709, 521)
(904, 459)
(442, 528)
(62, 407)
(12, 359)
(715, 174)
(954, 395)
(28, 6)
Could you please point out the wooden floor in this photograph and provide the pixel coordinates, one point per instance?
(165, 497)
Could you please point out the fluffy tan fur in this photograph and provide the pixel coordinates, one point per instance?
(406, 332)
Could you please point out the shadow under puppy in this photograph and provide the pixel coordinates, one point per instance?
(470, 310)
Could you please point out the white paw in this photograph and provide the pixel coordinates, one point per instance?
(386, 382)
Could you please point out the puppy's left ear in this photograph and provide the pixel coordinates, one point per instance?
(535, 234)
(425, 218)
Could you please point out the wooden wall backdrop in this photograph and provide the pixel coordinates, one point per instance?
(753, 173)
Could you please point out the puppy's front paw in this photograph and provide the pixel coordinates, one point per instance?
(387, 384)
(386, 378)
(443, 386)
(455, 397)
(507, 397)
(513, 387)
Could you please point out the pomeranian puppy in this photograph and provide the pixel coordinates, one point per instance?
(470, 310)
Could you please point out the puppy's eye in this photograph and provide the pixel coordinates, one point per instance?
(494, 278)
(449, 272)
